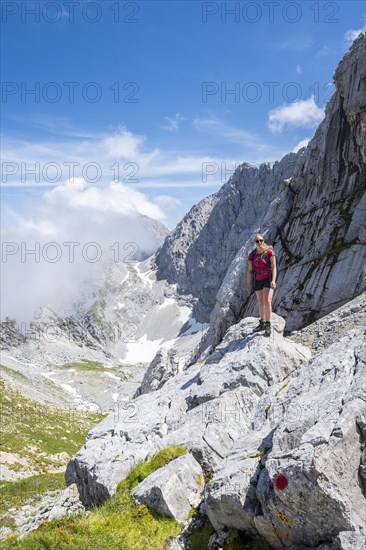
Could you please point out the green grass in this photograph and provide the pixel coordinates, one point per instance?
(281, 388)
(261, 454)
(144, 469)
(12, 372)
(29, 490)
(29, 428)
(34, 431)
(85, 365)
(200, 534)
(118, 524)
(98, 312)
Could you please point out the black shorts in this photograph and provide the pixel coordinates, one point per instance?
(259, 285)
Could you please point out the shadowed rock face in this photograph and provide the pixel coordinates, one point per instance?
(310, 205)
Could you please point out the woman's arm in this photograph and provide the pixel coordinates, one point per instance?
(274, 270)
(249, 276)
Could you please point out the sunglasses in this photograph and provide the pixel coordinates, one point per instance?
(259, 240)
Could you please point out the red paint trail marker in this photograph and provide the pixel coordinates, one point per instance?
(280, 482)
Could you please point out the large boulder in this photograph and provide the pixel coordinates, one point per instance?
(174, 489)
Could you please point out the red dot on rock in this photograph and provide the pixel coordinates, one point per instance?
(280, 482)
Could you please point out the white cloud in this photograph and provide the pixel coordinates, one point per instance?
(173, 123)
(114, 198)
(352, 34)
(223, 130)
(254, 149)
(78, 210)
(302, 113)
(324, 50)
(101, 221)
(167, 201)
(298, 69)
(300, 145)
(126, 157)
(120, 155)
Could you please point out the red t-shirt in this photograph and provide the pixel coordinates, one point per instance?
(261, 264)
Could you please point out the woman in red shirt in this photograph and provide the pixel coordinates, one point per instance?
(264, 281)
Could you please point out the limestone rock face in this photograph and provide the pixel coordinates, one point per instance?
(206, 407)
(306, 482)
(199, 251)
(278, 424)
(173, 489)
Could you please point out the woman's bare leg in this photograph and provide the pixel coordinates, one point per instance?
(267, 303)
(260, 297)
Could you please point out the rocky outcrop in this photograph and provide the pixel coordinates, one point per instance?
(332, 327)
(164, 365)
(10, 335)
(206, 407)
(311, 206)
(198, 253)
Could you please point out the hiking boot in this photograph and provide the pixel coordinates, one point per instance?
(260, 326)
(267, 328)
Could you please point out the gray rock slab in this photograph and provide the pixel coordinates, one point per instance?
(173, 489)
(302, 481)
(206, 407)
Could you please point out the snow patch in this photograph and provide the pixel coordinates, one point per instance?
(88, 407)
(142, 351)
(145, 276)
(125, 277)
(194, 326)
(12, 358)
(167, 302)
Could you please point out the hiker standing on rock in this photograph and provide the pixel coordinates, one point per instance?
(261, 277)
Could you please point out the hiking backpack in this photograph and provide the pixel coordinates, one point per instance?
(268, 262)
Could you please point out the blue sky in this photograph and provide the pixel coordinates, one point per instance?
(178, 61)
(147, 89)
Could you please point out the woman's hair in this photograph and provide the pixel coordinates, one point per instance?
(264, 245)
